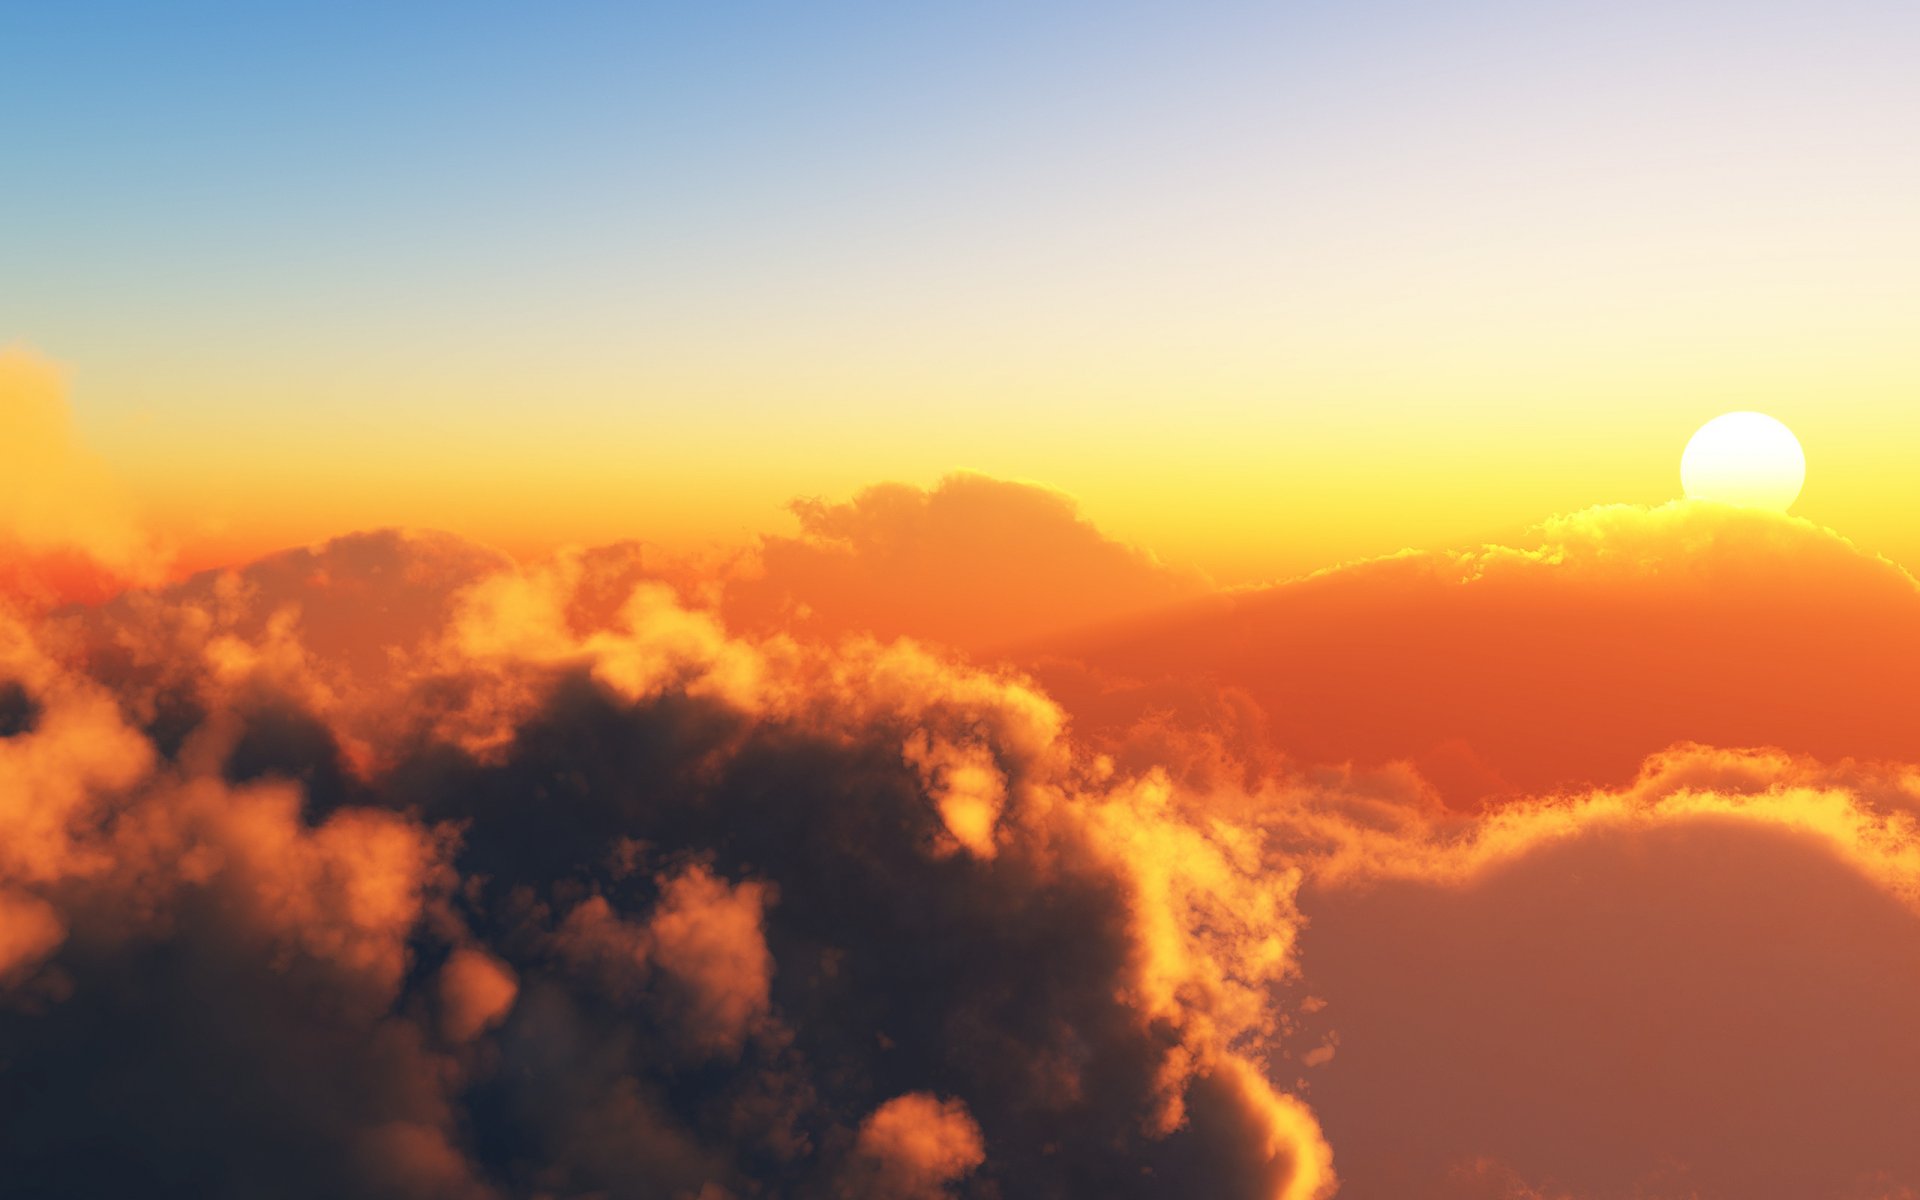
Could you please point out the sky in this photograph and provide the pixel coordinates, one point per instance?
(1264, 287)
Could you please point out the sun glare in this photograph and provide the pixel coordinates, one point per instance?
(1744, 458)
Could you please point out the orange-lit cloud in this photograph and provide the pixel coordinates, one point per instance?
(912, 1146)
(30, 929)
(705, 936)
(1709, 966)
(582, 875)
(975, 562)
(1502, 671)
(476, 991)
(164, 926)
(67, 530)
(647, 899)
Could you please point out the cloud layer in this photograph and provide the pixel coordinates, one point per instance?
(1506, 671)
(1694, 986)
(488, 895)
(395, 868)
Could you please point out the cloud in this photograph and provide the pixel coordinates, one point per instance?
(913, 1146)
(476, 991)
(1507, 671)
(976, 563)
(1690, 986)
(67, 530)
(201, 982)
(905, 964)
(966, 786)
(29, 931)
(422, 874)
(705, 936)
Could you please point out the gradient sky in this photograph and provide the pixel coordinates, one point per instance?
(1263, 286)
(943, 842)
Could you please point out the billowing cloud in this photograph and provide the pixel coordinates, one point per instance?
(912, 1147)
(705, 937)
(508, 889)
(202, 980)
(476, 991)
(29, 931)
(417, 872)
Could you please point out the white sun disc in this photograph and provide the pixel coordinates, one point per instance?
(1744, 458)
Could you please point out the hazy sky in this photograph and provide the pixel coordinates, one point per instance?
(1263, 286)
(943, 843)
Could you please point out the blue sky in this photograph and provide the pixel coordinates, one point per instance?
(1121, 248)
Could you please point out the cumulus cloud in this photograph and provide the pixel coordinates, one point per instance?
(967, 787)
(202, 982)
(418, 872)
(705, 937)
(476, 990)
(912, 1147)
(515, 887)
(29, 931)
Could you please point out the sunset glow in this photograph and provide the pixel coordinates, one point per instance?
(999, 602)
(1746, 459)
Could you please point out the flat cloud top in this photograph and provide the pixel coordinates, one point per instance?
(1501, 671)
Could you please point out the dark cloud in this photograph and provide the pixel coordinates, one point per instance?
(514, 891)
(19, 711)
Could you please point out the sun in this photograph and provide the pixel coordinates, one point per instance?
(1744, 458)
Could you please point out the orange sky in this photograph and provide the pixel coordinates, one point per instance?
(1285, 499)
(970, 602)
(1301, 287)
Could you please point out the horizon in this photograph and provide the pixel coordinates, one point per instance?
(1302, 602)
(1262, 289)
